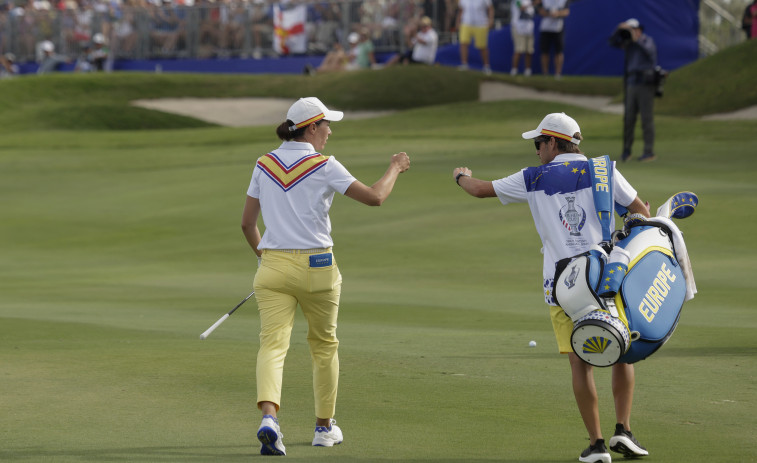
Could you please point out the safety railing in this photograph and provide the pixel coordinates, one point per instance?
(719, 28)
(234, 28)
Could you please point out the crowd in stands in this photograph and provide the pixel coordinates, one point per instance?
(150, 29)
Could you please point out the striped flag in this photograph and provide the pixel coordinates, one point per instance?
(289, 29)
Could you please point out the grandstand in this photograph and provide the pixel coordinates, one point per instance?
(263, 36)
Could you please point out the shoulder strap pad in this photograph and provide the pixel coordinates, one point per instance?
(601, 187)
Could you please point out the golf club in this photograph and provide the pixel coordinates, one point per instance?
(223, 319)
(679, 206)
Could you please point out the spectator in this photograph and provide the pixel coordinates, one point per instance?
(125, 34)
(25, 28)
(51, 61)
(640, 85)
(8, 66)
(83, 15)
(392, 21)
(749, 20)
(262, 25)
(423, 46)
(240, 17)
(335, 60)
(552, 34)
(522, 31)
(165, 27)
(210, 34)
(82, 61)
(409, 12)
(371, 15)
(450, 13)
(324, 26)
(94, 56)
(98, 56)
(474, 19)
(361, 54)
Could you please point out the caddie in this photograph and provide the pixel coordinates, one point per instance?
(560, 195)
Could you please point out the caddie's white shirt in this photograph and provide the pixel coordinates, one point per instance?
(426, 52)
(549, 24)
(295, 186)
(522, 21)
(562, 205)
(475, 12)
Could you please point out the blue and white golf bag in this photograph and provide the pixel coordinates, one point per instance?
(626, 304)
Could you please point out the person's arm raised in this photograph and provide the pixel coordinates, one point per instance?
(377, 193)
(473, 186)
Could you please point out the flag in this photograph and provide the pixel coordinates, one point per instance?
(289, 29)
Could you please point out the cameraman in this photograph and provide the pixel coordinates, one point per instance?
(639, 84)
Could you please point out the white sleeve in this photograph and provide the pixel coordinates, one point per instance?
(337, 176)
(624, 192)
(511, 189)
(253, 190)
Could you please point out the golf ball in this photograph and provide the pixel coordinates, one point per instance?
(532, 344)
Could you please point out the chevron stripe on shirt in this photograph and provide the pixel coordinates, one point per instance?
(558, 178)
(287, 177)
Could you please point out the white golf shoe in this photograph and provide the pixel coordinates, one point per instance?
(269, 434)
(327, 437)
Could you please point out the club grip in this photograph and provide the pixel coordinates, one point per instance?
(213, 327)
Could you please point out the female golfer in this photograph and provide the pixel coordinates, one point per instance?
(293, 187)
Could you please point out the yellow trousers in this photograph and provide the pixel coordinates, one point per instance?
(479, 35)
(284, 280)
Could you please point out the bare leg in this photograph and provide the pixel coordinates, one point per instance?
(484, 56)
(586, 395)
(559, 59)
(623, 380)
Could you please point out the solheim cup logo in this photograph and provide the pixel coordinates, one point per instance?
(571, 280)
(573, 217)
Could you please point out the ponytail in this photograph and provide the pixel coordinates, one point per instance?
(287, 131)
(283, 131)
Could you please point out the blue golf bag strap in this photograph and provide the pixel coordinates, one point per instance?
(621, 210)
(601, 187)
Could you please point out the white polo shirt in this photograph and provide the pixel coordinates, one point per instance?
(426, 52)
(475, 12)
(562, 205)
(522, 21)
(549, 24)
(295, 186)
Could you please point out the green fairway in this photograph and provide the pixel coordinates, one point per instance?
(122, 246)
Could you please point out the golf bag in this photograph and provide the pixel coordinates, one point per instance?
(626, 304)
(623, 316)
